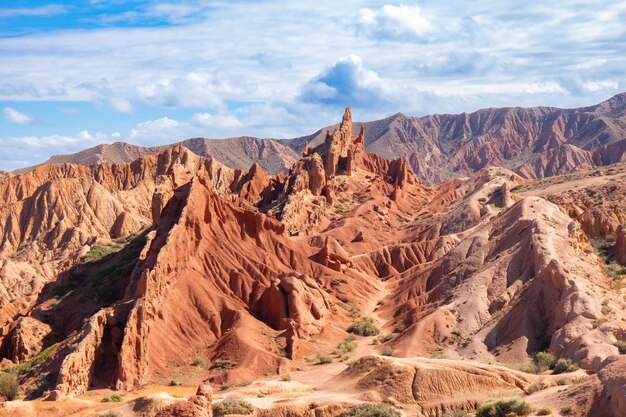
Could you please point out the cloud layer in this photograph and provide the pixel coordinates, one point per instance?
(283, 69)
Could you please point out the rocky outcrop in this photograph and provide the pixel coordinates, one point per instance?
(27, 339)
(436, 386)
(197, 406)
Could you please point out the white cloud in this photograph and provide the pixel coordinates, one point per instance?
(396, 22)
(601, 85)
(217, 120)
(17, 117)
(43, 11)
(195, 89)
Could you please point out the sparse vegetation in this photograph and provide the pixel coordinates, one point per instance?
(564, 365)
(364, 327)
(387, 352)
(544, 412)
(371, 410)
(347, 346)
(175, 383)
(323, 359)
(197, 362)
(537, 386)
(286, 377)
(504, 407)
(567, 410)
(99, 252)
(34, 362)
(543, 361)
(223, 364)
(621, 346)
(599, 322)
(114, 398)
(9, 386)
(232, 406)
(562, 381)
(386, 338)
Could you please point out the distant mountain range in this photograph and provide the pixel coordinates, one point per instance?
(534, 142)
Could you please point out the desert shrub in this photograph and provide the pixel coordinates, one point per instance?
(387, 352)
(504, 407)
(371, 410)
(544, 412)
(456, 413)
(562, 381)
(197, 362)
(599, 322)
(386, 338)
(567, 410)
(286, 377)
(564, 365)
(544, 360)
(364, 327)
(9, 387)
(114, 398)
(537, 386)
(232, 406)
(347, 346)
(175, 383)
(621, 347)
(222, 364)
(323, 359)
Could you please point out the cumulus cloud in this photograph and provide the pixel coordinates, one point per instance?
(345, 82)
(17, 117)
(216, 120)
(400, 22)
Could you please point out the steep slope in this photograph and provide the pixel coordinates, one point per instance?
(147, 268)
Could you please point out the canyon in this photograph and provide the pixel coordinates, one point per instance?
(424, 263)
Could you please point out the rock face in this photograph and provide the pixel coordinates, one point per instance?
(197, 406)
(121, 274)
(436, 386)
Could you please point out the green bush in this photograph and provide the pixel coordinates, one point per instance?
(621, 347)
(386, 338)
(537, 386)
(371, 410)
(504, 407)
(347, 346)
(9, 387)
(223, 364)
(115, 398)
(564, 365)
(364, 327)
(387, 352)
(232, 406)
(175, 383)
(544, 360)
(544, 412)
(323, 359)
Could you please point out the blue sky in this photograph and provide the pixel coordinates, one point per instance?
(75, 74)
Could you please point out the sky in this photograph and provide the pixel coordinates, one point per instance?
(76, 74)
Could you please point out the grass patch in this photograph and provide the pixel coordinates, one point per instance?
(223, 364)
(504, 407)
(364, 327)
(371, 410)
(99, 252)
(323, 359)
(33, 362)
(232, 406)
(114, 398)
